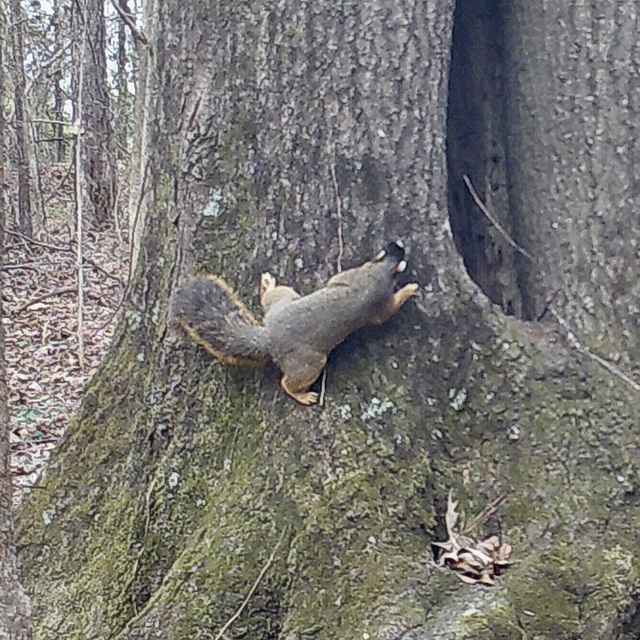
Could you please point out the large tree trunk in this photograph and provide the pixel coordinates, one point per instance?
(193, 500)
(573, 166)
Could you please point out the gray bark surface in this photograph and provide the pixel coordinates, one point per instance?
(194, 500)
(574, 150)
(15, 609)
(92, 89)
(24, 140)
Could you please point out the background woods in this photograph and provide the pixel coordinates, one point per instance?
(193, 500)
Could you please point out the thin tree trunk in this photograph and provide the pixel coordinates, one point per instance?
(97, 150)
(123, 105)
(14, 603)
(26, 179)
(145, 99)
(58, 98)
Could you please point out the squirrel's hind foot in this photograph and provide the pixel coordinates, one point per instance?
(300, 372)
(307, 398)
(299, 392)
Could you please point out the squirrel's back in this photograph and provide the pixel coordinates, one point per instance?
(350, 300)
(211, 313)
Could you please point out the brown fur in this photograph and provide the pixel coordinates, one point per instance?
(298, 331)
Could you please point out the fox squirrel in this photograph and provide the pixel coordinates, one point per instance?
(298, 332)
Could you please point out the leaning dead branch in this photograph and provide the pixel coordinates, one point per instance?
(494, 221)
(254, 586)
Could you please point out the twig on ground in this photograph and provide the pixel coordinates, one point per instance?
(50, 294)
(323, 387)
(34, 266)
(39, 243)
(85, 260)
(485, 513)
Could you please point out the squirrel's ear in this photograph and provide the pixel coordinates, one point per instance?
(395, 250)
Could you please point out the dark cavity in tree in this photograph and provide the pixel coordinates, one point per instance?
(477, 147)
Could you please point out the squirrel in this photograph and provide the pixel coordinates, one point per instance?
(298, 332)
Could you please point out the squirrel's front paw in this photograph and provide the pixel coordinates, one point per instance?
(408, 291)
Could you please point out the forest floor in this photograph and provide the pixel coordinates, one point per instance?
(45, 377)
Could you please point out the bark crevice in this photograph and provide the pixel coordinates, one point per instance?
(477, 146)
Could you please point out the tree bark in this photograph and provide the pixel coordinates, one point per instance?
(194, 500)
(91, 99)
(15, 608)
(58, 97)
(141, 158)
(25, 151)
(572, 166)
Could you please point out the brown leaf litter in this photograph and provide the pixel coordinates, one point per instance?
(475, 562)
(44, 377)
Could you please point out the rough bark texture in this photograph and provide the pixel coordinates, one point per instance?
(14, 602)
(572, 121)
(24, 141)
(141, 159)
(92, 90)
(182, 482)
(15, 607)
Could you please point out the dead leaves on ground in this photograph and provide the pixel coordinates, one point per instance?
(475, 562)
(44, 379)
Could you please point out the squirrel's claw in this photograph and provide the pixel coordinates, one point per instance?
(306, 398)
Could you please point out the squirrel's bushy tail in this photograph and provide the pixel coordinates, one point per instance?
(212, 314)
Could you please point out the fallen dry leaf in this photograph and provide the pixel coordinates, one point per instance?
(475, 562)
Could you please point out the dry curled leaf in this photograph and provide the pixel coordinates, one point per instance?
(475, 562)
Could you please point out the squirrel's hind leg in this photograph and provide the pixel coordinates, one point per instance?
(395, 302)
(301, 370)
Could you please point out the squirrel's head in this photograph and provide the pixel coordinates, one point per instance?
(392, 254)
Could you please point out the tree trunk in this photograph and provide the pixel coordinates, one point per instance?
(25, 151)
(91, 100)
(58, 97)
(141, 158)
(15, 608)
(195, 500)
(124, 97)
(14, 603)
(573, 166)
